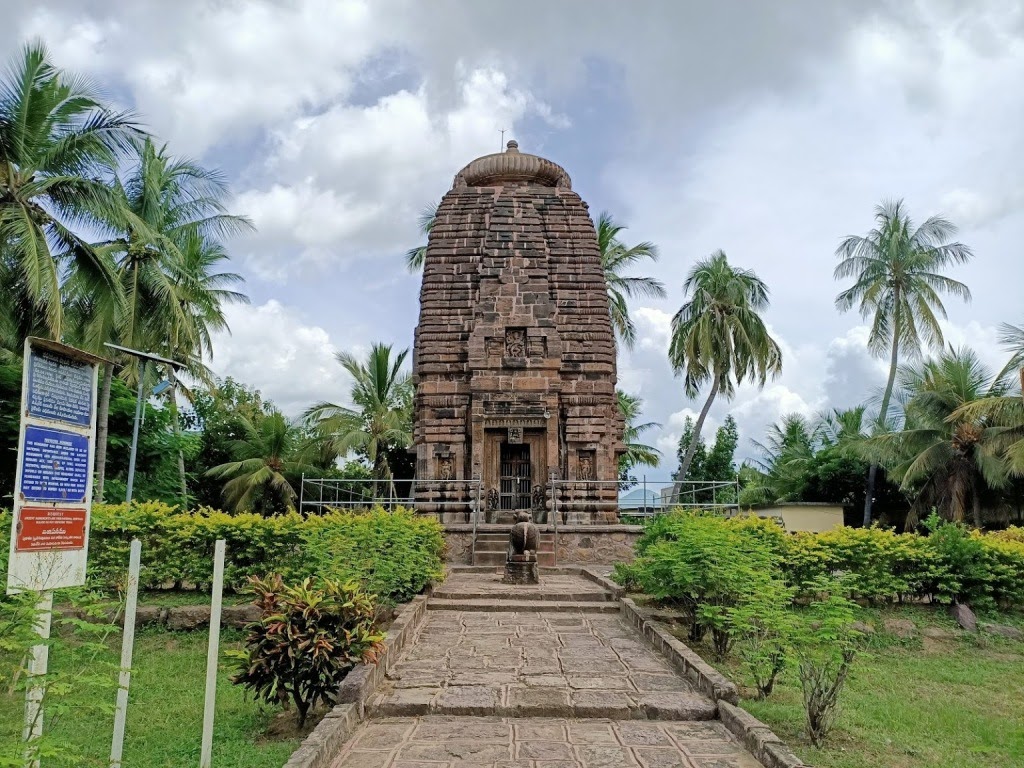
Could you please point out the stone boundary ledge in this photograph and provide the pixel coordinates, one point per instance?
(757, 737)
(178, 618)
(706, 678)
(320, 748)
(616, 591)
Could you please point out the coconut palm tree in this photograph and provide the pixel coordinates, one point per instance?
(637, 453)
(897, 271)
(616, 257)
(719, 337)
(264, 457)
(943, 455)
(415, 257)
(381, 419)
(1012, 337)
(58, 147)
(1004, 413)
(165, 259)
(782, 468)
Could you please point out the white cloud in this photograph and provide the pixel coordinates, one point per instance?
(349, 181)
(290, 361)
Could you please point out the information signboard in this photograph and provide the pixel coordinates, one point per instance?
(53, 483)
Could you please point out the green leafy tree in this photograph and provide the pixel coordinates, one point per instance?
(719, 337)
(58, 147)
(897, 272)
(698, 456)
(265, 465)
(720, 463)
(945, 460)
(381, 419)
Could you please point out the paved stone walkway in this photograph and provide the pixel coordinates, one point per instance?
(535, 677)
(459, 742)
(537, 664)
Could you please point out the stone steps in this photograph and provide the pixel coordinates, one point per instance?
(521, 605)
(492, 546)
(542, 702)
(516, 594)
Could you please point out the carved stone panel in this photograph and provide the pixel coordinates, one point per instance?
(586, 466)
(515, 342)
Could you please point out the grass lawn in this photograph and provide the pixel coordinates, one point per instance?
(915, 703)
(165, 711)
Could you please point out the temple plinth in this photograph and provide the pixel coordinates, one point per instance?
(514, 357)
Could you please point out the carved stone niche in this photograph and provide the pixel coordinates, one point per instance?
(515, 435)
(515, 342)
(445, 468)
(586, 469)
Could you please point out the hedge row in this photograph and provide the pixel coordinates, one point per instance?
(949, 564)
(394, 554)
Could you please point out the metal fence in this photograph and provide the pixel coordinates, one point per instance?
(602, 501)
(317, 495)
(578, 502)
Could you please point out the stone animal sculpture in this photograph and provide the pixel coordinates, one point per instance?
(524, 537)
(521, 563)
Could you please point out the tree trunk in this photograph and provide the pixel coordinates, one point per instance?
(685, 466)
(976, 506)
(884, 410)
(102, 418)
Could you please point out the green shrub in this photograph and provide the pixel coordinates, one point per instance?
(707, 566)
(825, 644)
(307, 639)
(764, 627)
(394, 555)
(876, 564)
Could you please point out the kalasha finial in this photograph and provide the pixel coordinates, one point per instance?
(512, 146)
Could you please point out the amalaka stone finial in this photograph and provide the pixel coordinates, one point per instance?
(511, 167)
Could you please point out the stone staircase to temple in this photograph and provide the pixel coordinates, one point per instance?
(491, 548)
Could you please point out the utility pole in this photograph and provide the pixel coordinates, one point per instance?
(144, 358)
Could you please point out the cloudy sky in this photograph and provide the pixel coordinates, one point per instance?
(769, 130)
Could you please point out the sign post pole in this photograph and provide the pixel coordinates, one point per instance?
(52, 497)
(127, 645)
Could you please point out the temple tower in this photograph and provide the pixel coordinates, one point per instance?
(514, 357)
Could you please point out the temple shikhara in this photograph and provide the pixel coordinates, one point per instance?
(514, 357)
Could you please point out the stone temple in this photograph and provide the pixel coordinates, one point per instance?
(514, 357)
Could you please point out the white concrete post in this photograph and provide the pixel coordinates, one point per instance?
(127, 646)
(37, 666)
(206, 753)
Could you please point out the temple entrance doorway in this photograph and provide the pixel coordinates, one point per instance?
(515, 479)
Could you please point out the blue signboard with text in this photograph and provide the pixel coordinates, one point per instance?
(59, 388)
(54, 465)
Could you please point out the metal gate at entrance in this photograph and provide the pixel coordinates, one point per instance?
(515, 479)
